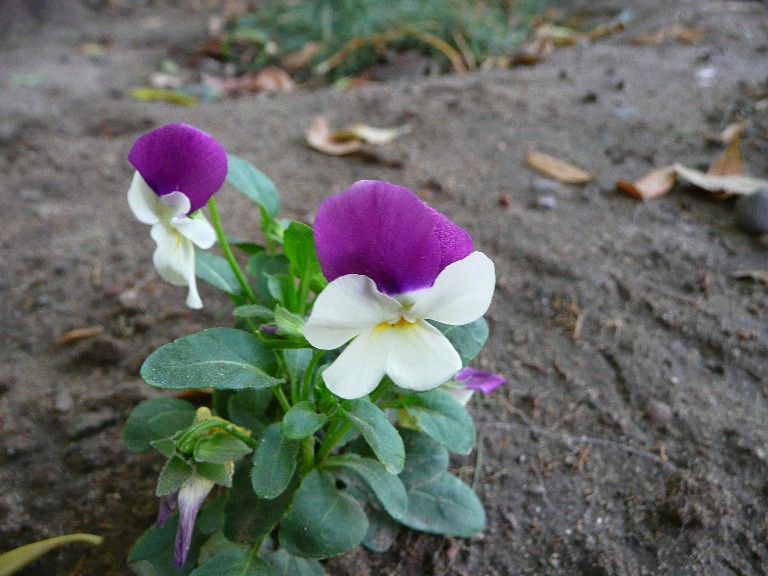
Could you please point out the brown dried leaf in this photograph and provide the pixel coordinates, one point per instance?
(731, 184)
(319, 137)
(679, 33)
(557, 169)
(350, 139)
(77, 334)
(757, 275)
(653, 185)
(729, 162)
(369, 134)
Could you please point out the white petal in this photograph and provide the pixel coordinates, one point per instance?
(174, 259)
(461, 293)
(348, 306)
(143, 201)
(197, 229)
(176, 204)
(419, 356)
(460, 393)
(359, 368)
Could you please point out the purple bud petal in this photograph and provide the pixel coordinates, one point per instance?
(386, 233)
(180, 158)
(167, 506)
(192, 494)
(479, 380)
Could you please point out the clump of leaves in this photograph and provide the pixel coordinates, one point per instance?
(338, 38)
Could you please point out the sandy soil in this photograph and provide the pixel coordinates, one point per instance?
(632, 436)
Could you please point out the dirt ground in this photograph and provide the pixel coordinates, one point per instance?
(631, 438)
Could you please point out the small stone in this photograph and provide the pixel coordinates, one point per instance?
(64, 402)
(752, 212)
(546, 202)
(132, 302)
(659, 412)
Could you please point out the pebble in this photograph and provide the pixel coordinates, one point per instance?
(659, 412)
(752, 212)
(64, 402)
(546, 202)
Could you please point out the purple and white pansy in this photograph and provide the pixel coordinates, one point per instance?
(178, 168)
(393, 263)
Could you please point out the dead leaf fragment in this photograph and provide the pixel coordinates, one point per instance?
(729, 162)
(350, 139)
(653, 185)
(678, 33)
(730, 184)
(369, 134)
(557, 169)
(77, 334)
(757, 275)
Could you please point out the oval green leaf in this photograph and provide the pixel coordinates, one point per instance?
(222, 358)
(301, 421)
(323, 521)
(273, 463)
(379, 433)
(253, 183)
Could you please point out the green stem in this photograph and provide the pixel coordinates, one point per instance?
(307, 455)
(330, 441)
(228, 251)
(309, 374)
(281, 397)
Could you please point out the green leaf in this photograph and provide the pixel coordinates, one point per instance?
(247, 408)
(223, 358)
(323, 521)
(387, 487)
(166, 446)
(441, 417)
(255, 311)
(296, 363)
(444, 506)
(253, 183)
(288, 322)
(261, 266)
(173, 475)
(301, 421)
(17, 558)
(219, 473)
(220, 448)
(234, 563)
(152, 554)
(285, 564)
(167, 416)
(299, 248)
(211, 517)
(467, 339)
(281, 288)
(217, 272)
(273, 463)
(247, 517)
(378, 432)
(425, 459)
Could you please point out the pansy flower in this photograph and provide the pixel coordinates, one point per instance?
(178, 168)
(393, 263)
(471, 380)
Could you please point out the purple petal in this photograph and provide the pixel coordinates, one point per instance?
(179, 157)
(386, 233)
(479, 380)
(167, 506)
(192, 494)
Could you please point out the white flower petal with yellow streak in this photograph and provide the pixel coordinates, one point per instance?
(349, 306)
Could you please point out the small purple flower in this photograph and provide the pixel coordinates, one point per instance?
(180, 158)
(178, 168)
(479, 380)
(393, 263)
(469, 380)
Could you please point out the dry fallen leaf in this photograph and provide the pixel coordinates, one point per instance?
(730, 184)
(271, 79)
(653, 185)
(350, 139)
(729, 162)
(680, 33)
(77, 334)
(557, 169)
(758, 275)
